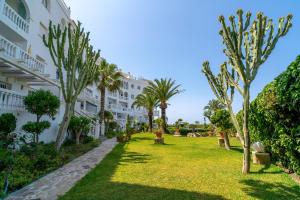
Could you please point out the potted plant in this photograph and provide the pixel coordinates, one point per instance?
(159, 139)
(120, 136)
(158, 134)
(177, 125)
(259, 155)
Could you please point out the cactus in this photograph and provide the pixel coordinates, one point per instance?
(75, 60)
(247, 46)
(224, 92)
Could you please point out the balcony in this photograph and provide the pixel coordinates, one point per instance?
(15, 18)
(87, 95)
(117, 108)
(11, 101)
(13, 52)
(12, 24)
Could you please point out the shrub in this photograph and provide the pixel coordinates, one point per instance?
(40, 103)
(8, 125)
(79, 126)
(274, 118)
(35, 160)
(87, 139)
(36, 128)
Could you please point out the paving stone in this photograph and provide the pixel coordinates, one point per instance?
(63, 179)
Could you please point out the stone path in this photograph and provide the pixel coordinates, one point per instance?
(60, 181)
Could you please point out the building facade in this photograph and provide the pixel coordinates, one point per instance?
(26, 65)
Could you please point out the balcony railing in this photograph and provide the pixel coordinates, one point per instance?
(12, 51)
(118, 108)
(15, 18)
(87, 95)
(11, 101)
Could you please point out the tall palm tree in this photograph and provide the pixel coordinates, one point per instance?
(149, 102)
(163, 90)
(108, 78)
(212, 106)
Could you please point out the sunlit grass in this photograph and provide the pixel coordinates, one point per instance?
(184, 168)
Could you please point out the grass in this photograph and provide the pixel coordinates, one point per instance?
(183, 168)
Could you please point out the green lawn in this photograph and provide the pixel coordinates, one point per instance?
(183, 168)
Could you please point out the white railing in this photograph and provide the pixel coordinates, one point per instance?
(119, 108)
(11, 101)
(86, 94)
(15, 18)
(12, 51)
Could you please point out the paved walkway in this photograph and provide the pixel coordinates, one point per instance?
(60, 181)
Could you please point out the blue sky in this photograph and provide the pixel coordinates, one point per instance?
(171, 38)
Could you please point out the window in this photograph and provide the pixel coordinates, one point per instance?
(138, 87)
(5, 85)
(132, 96)
(46, 4)
(91, 107)
(57, 74)
(132, 86)
(19, 7)
(125, 85)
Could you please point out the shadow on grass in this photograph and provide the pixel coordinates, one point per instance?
(262, 190)
(134, 157)
(266, 167)
(237, 148)
(99, 184)
(137, 139)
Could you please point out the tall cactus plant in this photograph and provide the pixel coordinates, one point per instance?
(75, 60)
(224, 92)
(247, 46)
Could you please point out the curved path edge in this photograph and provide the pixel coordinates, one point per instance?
(58, 182)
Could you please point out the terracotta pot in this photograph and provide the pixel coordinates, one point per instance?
(222, 135)
(158, 134)
(120, 138)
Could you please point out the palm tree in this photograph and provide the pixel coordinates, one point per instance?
(108, 118)
(149, 102)
(163, 90)
(212, 106)
(108, 78)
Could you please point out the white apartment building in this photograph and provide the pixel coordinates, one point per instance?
(25, 65)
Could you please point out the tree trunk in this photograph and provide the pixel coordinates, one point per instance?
(150, 118)
(37, 134)
(246, 157)
(226, 140)
(64, 125)
(102, 109)
(77, 135)
(236, 124)
(163, 117)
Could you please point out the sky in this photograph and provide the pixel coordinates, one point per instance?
(172, 38)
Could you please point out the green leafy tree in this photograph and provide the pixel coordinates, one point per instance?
(40, 103)
(149, 102)
(79, 126)
(107, 78)
(178, 123)
(8, 124)
(221, 119)
(128, 127)
(75, 60)
(247, 46)
(108, 119)
(163, 90)
(212, 106)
